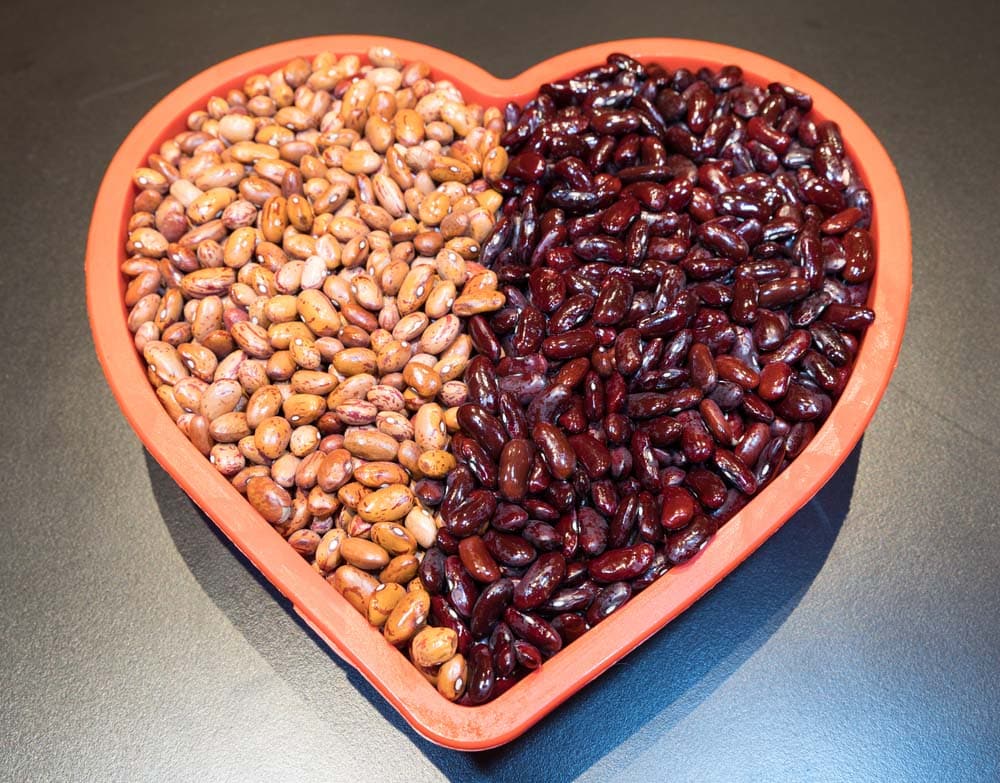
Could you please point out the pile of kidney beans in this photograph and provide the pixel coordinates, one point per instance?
(686, 262)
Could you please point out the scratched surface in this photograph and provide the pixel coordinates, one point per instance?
(861, 643)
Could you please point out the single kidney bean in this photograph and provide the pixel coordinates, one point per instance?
(591, 454)
(608, 600)
(570, 626)
(481, 381)
(555, 448)
(432, 571)
(490, 606)
(462, 593)
(707, 487)
(481, 674)
(593, 531)
(478, 561)
(569, 345)
(677, 508)
(527, 654)
(540, 581)
(733, 469)
(571, 599)
(621, 564)
(533, 629)
(752, 443)
(515, 464)
(685, 544)
(542, 536)
(473, 514)
(509, 517)
(511, 550)
(548, 403)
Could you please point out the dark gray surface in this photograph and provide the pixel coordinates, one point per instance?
(860, 643)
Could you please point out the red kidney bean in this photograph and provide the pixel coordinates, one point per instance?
(461, 589)
(621, 564)
(752, 442)
(529, 332)
(591, 454)
(539, 480)
(474, 513)
(446, 542)
(800, 403)
(849, 317)
(515, 464)
(569, 345)
(548, 404)
(481, 674)
(555, 448)
(770, 461)
(431, 571)
(799, 437)
(533, 629)
(696, 443)
(733, 469)
(540, 581)
(707, 487)
(458, 485)
(685, 544)
(593, 535)
(477, 559)
(510, 550)
(716, 422)
(623, 522)
(475, 457)
(527, 654)
(548, 289)
(677, 509)
(860, 256)
(490, 606)
(542, 536)
(608, 600)
(570, 626)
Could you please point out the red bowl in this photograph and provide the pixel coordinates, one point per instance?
(346, 631)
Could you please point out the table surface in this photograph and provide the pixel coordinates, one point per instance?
(862, 642)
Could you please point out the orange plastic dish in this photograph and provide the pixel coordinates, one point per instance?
(346, 631)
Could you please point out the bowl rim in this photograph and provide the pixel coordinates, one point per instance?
(343, 629)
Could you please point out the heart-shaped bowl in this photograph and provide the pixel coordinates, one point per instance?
(347, 632)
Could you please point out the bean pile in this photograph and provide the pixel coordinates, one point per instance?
(492, 372)
(302, 260)
(685, 259)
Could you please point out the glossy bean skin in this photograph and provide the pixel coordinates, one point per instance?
(540, 581)
(461, 589)
(444, 615)
(533, 629)
(686, 262)
(623, 564)
(609, 599)
(685, 544)
(555, 448)
(474, 513)
(482, 676)
(477, 560)
(490, 606)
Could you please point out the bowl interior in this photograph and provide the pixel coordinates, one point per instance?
(347, 633)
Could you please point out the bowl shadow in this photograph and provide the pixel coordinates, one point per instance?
(686, 661)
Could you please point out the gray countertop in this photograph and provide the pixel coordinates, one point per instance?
(862, 642)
